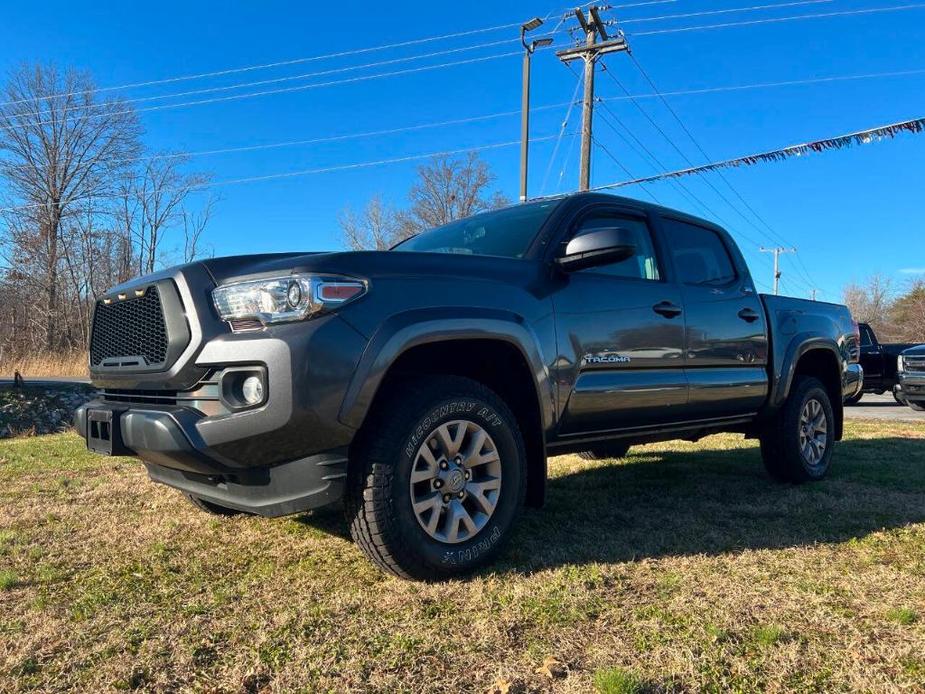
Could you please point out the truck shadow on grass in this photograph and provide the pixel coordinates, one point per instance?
(671, 503)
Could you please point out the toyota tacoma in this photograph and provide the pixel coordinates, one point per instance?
(425, 386)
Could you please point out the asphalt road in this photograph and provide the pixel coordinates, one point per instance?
(883, 407)
(47, 381)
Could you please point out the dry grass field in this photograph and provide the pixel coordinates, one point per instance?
(44, 365)
(681, 568)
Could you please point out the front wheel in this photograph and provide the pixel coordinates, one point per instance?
(917, 406)
(797, 445)
(436, 479)
(898, 396)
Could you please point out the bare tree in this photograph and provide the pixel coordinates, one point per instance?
(153, 202)
(60, 146)
(447, 188)
(451, 188)
(194, 224)
(375, 228)
(871, 302)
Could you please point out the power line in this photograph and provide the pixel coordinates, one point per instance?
(304, 172)
(674, 145)
(768, 85)
(265, 66)
(706, 13)
(707, 157)
(753, 22)
(301, 60)
(284, 90)
(291, 78)
(334, 138)
(645, 153)
(622, 166)
(565, 122)
(683, 189)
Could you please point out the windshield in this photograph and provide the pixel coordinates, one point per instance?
(507, 232)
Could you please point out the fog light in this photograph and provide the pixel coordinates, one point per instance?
(252, 390)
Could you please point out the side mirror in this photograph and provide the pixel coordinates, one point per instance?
(595, 248)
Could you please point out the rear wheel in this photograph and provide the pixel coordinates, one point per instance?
(797, 445)
(436, 479)
(213, 508)
(606, 451)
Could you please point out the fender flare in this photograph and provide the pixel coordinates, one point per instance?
(410, 329)
(800, 345)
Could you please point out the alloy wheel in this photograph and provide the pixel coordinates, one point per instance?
(455, 481)
(814, 429)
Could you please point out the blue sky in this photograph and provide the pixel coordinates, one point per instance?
(851, 213)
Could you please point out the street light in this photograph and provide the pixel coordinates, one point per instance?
(529, 48)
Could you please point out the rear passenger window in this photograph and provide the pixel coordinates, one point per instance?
(700, 255)
(643, 265)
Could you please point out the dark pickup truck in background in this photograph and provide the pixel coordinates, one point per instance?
(426, 385)
(911, 388)
(879, 361)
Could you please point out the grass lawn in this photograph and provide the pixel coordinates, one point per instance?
(682, 568)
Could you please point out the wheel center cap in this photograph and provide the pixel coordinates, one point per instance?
(455, 481)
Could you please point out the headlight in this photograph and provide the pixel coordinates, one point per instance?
(900, 365)
(283, 299)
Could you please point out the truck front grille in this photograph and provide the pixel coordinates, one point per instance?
(129, 332)
(914, 364)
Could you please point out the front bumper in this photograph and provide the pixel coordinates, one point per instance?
(284, 456)
(162, 438)
(912, 386)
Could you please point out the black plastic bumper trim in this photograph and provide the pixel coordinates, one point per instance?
(279, 490)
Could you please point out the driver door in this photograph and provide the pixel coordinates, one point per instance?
(620, 330)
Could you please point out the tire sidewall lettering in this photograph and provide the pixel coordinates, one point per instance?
(448, 411)
(468, 553)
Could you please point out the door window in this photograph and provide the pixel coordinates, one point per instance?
(867, 339)
(643, 265)
(699, 254)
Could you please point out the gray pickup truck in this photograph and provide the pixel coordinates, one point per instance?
(425, 386)
(911, 372)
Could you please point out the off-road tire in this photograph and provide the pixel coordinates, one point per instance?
(854, 400)
(378, 502)
(605, 451)
(780, 441)
(211, 507)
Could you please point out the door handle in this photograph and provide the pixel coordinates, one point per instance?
(749, 315)
(667, 309)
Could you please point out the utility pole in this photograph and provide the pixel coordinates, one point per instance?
(777, 251)
(590, 52)
(529, 48)
(813, 297)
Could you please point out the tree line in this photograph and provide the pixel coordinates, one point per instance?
(83, 206)
(897, 313)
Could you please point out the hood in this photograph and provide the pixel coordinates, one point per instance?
(918, 351)
(370, 264)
